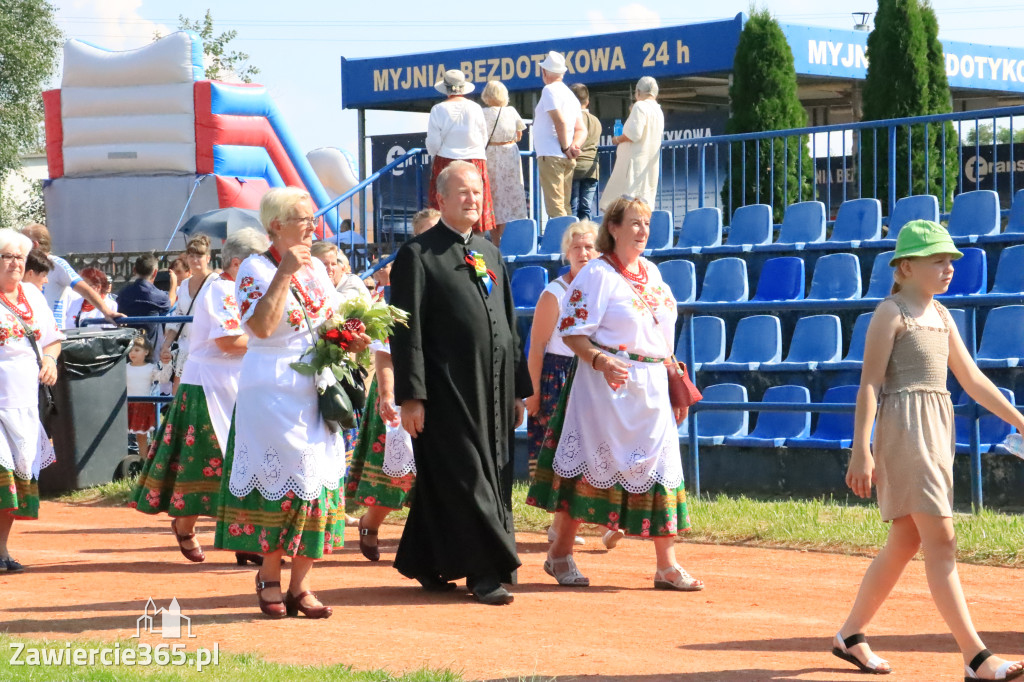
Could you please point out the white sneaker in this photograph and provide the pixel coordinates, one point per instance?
(611, 538)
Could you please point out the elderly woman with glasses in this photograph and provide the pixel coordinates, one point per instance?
(638, 157)
(611, 452)
(182, 473)
(29, 346)
(280, 493)
(197, 257)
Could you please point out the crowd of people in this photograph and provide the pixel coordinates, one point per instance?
(244, 442)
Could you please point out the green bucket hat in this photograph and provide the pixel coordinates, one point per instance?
(920, 238)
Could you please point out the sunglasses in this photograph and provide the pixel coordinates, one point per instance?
(630, 198)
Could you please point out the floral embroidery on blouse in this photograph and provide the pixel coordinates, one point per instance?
(227, 314)
(577, 311)
(12, 331)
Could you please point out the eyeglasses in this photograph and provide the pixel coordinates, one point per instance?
(630, 198)
(311, 221)
(8, 257)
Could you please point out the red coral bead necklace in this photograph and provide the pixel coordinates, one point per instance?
(22, 309)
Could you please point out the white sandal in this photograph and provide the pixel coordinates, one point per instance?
(971, 670)
(875, 665)
(612, 538)
(569, 576)
(683, 582)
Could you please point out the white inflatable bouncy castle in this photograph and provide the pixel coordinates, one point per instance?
(138, 140)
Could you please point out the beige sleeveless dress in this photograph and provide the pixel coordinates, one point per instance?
(914, 438)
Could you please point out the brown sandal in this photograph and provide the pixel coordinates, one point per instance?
(196, 553)
(371, 552)
(273, 609)
(293, 604)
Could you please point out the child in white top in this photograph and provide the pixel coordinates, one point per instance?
(142, 376)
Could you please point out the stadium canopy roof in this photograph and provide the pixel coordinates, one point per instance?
(692, 63)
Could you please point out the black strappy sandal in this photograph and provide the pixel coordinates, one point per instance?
(971, 670)
(841, 649)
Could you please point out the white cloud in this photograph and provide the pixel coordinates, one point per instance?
(632, 17)
(110, 24)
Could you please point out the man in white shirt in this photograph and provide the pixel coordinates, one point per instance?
(558, 132)
(62, 278)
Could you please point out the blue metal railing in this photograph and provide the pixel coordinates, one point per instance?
(972, 410)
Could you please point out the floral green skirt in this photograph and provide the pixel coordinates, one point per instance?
(181, 474)
(659, 512)
(306, 528)
(19, 496)
(367, 483)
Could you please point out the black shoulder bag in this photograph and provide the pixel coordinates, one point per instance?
(333, 397)
(47, 405)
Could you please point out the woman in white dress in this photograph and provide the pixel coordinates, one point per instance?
(280, 490)
(611, 453)
(197, 256)
(182, 474)
(24, 445)
(504, 165)
(638, 157)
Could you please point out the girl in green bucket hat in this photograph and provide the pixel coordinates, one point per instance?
(911, 342)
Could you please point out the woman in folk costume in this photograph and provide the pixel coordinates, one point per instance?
(24, 365)
(611, 453)
(182, 474)
(280, 490)
(638, 157)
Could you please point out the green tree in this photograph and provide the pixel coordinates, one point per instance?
(17, 211)
(28, 59)
(941, 137)
(763, 97)
(221, 63)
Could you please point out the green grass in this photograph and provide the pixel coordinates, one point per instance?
(231, 668)
(826, 525)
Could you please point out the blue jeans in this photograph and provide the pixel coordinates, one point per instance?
(583, 203)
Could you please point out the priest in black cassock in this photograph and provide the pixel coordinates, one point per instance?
(460, 377)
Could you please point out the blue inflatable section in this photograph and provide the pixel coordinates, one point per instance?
(254, 101)
(246, 162)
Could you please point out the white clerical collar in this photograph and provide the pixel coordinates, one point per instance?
(464, 237)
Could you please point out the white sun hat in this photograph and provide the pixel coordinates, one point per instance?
(554, 63)
(454, 83)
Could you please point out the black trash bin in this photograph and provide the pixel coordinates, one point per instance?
(90, 429)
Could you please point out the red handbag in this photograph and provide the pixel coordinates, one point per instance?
(681, 391)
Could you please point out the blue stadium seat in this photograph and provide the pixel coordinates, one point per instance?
(880, 284)
(758, 340)
(975, 214)
(858, 220)
(816, 339)
(714, 427)
(834, 430)
(836, 277)
(960, 322)
(1015, 227)
(782, 279)
(1010, 271)
(751, 226)
(708, 341)
(855, 356)
(553, 231)
(993, 429)
(725, 281)
(970, 274)
(660, 235)
(519, 238)
(681, 277)
(773, 429)
(702, 228)
(917, 207)
(563, 270)
(802, 224)
(1002, 343)
(528, 284)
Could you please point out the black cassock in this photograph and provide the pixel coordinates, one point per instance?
(461, 356)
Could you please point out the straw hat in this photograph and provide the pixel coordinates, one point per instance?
(554, 63)
(454, 83)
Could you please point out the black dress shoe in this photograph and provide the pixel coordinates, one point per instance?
(495, 595)
(434, 583)
(12, 566)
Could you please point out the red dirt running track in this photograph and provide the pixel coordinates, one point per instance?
(765, 615)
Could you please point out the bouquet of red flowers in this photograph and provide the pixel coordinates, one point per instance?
(354, 317)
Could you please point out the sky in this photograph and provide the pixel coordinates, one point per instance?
(297, 45)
